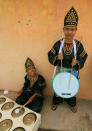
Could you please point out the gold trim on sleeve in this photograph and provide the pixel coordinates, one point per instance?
(53, 51)
(82, 54)
(54, 59)
(42, 84)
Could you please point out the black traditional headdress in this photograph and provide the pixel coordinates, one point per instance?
(71, 18)
(29, 63)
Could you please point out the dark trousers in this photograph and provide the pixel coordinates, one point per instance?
(70, 101)
(35, 105)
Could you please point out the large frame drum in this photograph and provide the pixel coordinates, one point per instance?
(65, 85)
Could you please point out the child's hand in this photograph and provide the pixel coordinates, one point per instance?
(74, 62)
(22, 107)
(60, 56)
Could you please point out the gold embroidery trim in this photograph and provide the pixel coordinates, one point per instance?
(53, 51)
(66, 69)
(54, 59)
(42, 84)
(70, 25)
(82, 54)
(71, 18)
(32, 82)
(67, 50)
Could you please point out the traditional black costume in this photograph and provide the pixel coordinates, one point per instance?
(30, 88)
(71, 19)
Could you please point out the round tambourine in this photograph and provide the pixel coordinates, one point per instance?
(65, 85)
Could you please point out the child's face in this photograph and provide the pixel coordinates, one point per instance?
(31, 71)
(69, 31)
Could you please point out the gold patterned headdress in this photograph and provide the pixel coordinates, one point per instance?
(71, 18)
(29, 63)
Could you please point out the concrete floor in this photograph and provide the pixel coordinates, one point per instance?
(63, 119)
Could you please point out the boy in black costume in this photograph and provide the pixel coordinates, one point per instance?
(67, 54)
(33, 86)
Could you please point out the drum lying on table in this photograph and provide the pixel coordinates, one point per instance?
(65, 85)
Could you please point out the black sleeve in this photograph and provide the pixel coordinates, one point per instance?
(41, 85)
(53, 53)
(81, 56)
(26, 84)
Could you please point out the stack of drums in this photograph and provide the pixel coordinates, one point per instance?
(24, 120)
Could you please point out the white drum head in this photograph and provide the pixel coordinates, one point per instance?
(65, 85)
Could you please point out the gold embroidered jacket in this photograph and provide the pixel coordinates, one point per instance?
(68, 55)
